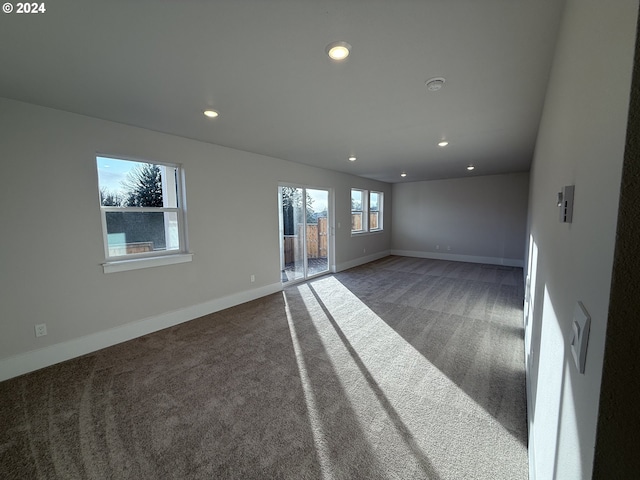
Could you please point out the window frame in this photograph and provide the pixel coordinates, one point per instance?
(363, 211)
(133, 261)
(366, 211)
(380, 226)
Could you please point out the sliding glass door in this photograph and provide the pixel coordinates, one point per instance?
(304, 232)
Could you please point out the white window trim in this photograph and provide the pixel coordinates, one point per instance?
(146, 262)
(151, 259)
(380, 211)
(364, 209)
(365, 213)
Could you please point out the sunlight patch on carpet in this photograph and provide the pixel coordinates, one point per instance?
(382, 373)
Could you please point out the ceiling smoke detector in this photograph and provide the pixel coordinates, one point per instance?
(435, 84)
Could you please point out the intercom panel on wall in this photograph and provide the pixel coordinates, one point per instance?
(565, 203)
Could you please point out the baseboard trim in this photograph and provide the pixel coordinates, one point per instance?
(44, 357)
(507, 262)
(362, 260)
(531, 443)
(529, 394)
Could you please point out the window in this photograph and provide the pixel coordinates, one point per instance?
(142, 213)
(358, 219)
(375, 211)
(366, 211)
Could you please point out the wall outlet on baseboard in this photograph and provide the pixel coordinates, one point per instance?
(253, 278)
(437, 247)
(448, 247)
(41, 330)
(364, 250)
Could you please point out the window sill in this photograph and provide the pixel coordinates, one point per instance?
(138, 263)
(360, 234)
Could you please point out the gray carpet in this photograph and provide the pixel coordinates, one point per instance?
(399, 369)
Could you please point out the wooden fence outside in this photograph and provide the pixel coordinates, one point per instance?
(317, 241)
(356, 221)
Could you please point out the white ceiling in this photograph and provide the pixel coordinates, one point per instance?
(262, 64)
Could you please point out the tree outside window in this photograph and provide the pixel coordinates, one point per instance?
(140, 208)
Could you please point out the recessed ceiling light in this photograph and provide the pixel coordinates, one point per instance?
(352, 158)
(338, 50)
(434, 84)
(210, 113)
(403, 174)
(470, 167)
(443, 143)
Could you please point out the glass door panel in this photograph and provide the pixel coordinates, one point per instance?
(304, 232)
(293, 224)
(317, 208)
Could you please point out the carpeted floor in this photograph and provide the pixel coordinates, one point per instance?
(402, 368)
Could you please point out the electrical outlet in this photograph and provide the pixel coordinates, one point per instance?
(437, 247)
(253, 278)
(41, 330)
(364, 250)
(448, 247)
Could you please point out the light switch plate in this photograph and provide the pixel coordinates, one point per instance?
(580, 335)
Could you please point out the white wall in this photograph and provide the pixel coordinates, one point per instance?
(581, 143)
(476, 219)
(51, 242)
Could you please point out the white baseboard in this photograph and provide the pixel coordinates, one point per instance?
(29, 361)
(529, 396)
(362, 260)
(531, 443)
(507, 262)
